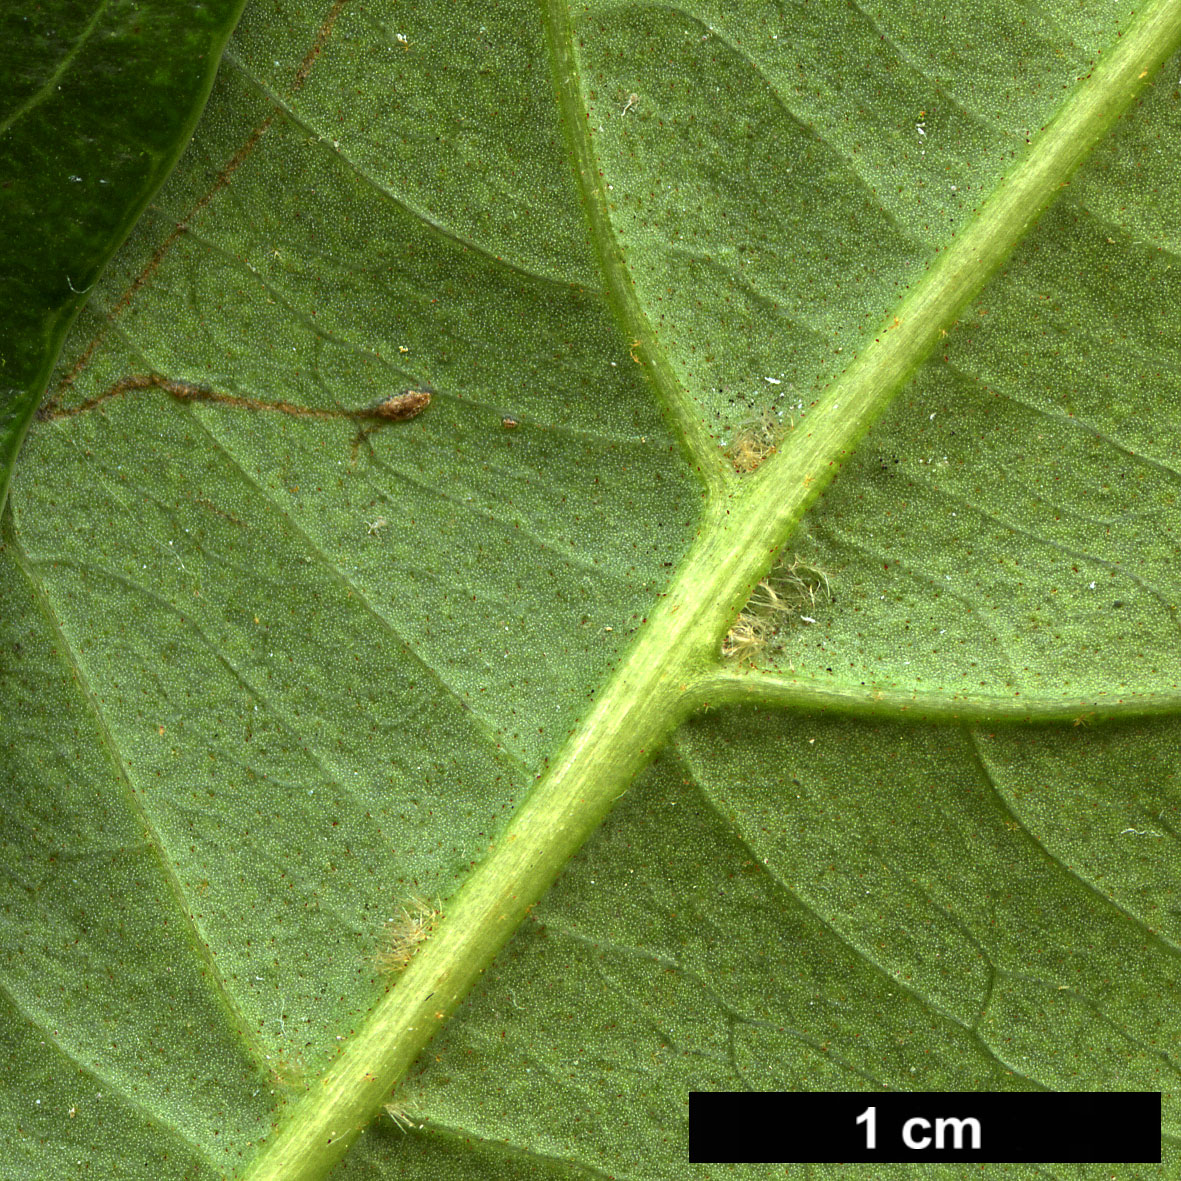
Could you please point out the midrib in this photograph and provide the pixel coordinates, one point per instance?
(675, 654)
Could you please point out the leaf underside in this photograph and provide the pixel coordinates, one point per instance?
(97, 101)
(269, 674)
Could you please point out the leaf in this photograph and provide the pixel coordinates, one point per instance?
(286, 678)
(98, 105)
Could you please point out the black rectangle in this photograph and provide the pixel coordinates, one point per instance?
(1007, 1127)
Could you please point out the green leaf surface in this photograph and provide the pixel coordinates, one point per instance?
(281, 674)
(97, 101)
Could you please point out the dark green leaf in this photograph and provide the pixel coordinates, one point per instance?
(282, 678)
(97, 101)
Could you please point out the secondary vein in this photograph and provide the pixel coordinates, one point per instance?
(780, 691)
(218, 984)
(679, 407)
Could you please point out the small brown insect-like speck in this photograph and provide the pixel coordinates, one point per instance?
(509, 424)
(400, 406)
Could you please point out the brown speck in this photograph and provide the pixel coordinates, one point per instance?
(509, 424)
(400, 406)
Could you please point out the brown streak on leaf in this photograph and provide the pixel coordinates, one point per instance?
(222, 180)
(121, 305)
(305, 66)
(395, 408)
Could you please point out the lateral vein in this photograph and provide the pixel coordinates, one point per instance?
(679, 407)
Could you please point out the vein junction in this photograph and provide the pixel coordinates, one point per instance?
(673, 666)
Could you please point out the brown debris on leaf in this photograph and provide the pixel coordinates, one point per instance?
(782, 600)
(398, 1114)
(757, 439)
(399, 407)
(405, 934)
